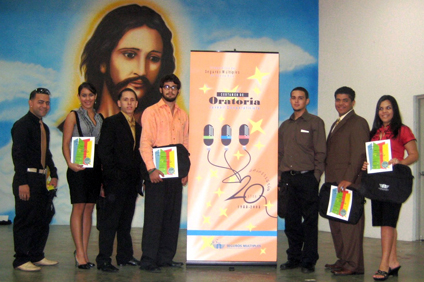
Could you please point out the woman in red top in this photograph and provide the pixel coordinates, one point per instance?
(388, 125)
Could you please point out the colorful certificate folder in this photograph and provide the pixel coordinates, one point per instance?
(379, 153)
(340, 203)
(166, 160)
(82, 151)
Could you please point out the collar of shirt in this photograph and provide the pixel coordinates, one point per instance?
(306, 116)
(161, 103)
(131, 120)
(34, 118)
(343, 116)
(385, 131)
(85, 112)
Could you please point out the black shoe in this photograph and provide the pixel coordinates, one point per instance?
(107, 267)
(173, 264)
(80, 266)
(132, 262)
(308, 268)
(291, 264)
(151, 268)
(394, 271)
(91, 264)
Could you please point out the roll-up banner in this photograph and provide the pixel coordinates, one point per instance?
(232, 190)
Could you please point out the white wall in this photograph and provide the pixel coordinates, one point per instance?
(376, 47)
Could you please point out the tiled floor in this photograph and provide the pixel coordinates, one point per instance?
(60, 247)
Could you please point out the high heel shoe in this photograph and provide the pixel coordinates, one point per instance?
(80, 266)
(384, 275)
(91, 264)
(394, 271)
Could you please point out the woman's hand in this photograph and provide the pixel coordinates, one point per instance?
(76, 167)
(394, 161)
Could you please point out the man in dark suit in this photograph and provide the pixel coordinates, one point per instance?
(122, 169)
(345, 156)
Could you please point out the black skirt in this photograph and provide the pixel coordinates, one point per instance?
(84, 186)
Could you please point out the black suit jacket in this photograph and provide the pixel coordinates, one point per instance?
(121, 160)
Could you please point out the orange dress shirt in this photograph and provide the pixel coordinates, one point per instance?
(161, 128)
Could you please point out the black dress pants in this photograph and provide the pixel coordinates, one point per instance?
(32, 219)
(114, 217)
(303, 204)
(162, 213)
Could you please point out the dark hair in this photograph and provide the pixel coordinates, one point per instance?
(395, 123)
(346, 90)
(111, 29)
(87, 85)
(125, 90)
(170, 77)
(39, 91)
(301, 89)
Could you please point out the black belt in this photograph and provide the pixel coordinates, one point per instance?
(297, 172)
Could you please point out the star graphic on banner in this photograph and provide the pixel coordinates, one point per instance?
(208, 204)
(256, 126)
(263, 251)
(199, 178)
(207, 242)
(238, 155)
(214, 173)
(256, 90)
(259, 145)
(269, 205)
(221, 118)
(223, 212)
(207, 219)
(258, 75)
(205, 88)
(250, 227)
(219, 192)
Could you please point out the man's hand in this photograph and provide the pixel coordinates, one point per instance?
(343, 185)
(155, 176)
(24, 192)
(184, 180)
(53, 182)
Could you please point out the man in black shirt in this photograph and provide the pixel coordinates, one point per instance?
(33, 202)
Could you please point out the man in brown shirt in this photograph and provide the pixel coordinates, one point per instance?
(301, 156)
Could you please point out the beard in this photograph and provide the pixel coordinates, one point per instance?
(149, 98)
(169, 99)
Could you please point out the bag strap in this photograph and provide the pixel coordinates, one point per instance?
(78, 123)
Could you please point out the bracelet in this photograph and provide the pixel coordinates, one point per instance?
(152, 170)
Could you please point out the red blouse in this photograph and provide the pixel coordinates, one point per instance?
(398, 145)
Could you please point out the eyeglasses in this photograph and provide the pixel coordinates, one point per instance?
(173, 87)
(42, 90)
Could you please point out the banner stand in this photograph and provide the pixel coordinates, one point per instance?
(232, 190)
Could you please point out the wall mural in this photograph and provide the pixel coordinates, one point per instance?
(59, 44)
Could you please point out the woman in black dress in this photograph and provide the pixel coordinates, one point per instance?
(84, 183)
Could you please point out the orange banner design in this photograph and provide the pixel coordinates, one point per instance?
(232, 192)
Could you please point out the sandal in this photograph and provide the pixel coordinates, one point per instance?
(384, 275)
(394, 271)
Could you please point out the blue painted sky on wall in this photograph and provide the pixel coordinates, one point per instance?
(37, 37)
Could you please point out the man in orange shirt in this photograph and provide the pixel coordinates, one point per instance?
(163, 124)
